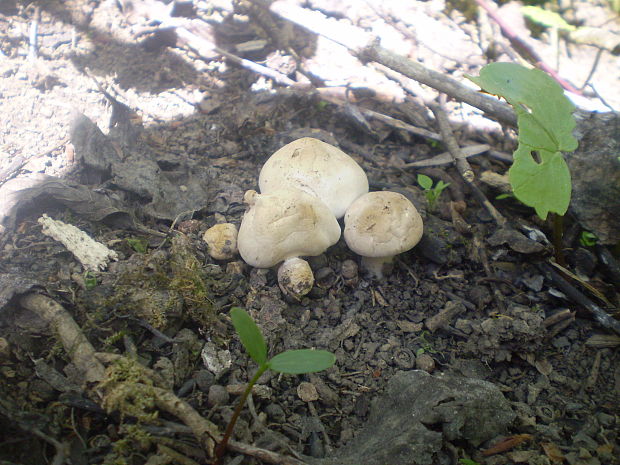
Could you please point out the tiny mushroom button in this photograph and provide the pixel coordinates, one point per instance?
(282, 226)
(317, 168)
(380, 225)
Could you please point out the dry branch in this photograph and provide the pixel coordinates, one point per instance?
(462, 165)
(363, 45)
(83, 355)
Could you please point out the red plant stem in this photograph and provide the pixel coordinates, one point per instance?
(220, 449)
(524, 49)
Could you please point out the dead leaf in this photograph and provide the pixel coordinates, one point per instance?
(507, 444)
(553, 452)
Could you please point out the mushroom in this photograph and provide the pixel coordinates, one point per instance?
(380, 225)
(317, 168)
(282, 226)
(222, 241)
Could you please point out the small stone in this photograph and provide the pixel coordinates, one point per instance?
(218, 395)
(258, 390)
(236, 267)
(275, 413)
(307, 392)
(425, 362)
(349, 272)
(560, 342)
(216, 361)
(204, 379)
(325, 277)
(5, 349)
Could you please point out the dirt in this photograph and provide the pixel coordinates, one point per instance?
(144, 143)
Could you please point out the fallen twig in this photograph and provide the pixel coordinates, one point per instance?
(462, 165)
(73, 340)
(84, 357)
(363, 46)
(607, 321)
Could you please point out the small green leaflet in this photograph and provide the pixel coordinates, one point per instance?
(546, 123)
(425, 182)
(546, 18)
(300, 361)
(250, 335)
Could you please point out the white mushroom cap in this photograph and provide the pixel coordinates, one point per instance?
(283, 224)
(380, 225)
(317, 168)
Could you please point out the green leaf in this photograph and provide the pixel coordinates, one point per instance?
(546, 18)
(468, 462)
(425, 182)
(300, 361)
(545, 186)
(250, 335)
(546, 126)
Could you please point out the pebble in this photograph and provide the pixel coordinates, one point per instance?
(204, 379)
(425, 362)
(307, 392)
(218, 395)
(275, 413)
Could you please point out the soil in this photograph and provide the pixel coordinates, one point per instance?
(144, 141)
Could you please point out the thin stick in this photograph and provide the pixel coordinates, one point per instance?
(73, 340)
(363, 46)
(462, 165)
(605, 320)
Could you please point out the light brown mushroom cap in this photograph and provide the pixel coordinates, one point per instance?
(380, 225)
(222, 241)
(283, 224)
(295, 278)
(317, 168)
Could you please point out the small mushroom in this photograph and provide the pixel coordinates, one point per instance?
(380, 225)
(281, 227)
(317, 168)
(222, 241)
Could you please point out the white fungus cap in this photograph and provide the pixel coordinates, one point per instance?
(317, 168)
(283, 224)
(380, 225)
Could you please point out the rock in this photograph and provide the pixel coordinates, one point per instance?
(595, 171)
(218, 395)
(418, 411)
(425, 362)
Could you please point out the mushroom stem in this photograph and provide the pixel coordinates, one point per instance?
(375, 265)
(295, 278)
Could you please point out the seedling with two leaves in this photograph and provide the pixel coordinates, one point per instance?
(431, 192)
(293, 362)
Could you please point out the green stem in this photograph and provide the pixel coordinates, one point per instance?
(220, 449)
(558, 232)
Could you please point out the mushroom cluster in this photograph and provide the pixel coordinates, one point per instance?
(306, 186)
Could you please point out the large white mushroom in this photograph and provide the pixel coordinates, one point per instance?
(282, 226)
(380, 225)
(317, 168)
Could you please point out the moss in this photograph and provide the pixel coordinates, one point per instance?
(128, 389)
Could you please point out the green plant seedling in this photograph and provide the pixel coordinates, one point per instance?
(588, 239)
(431, 193)
(539, 176)
(90, 280)
(293, 362)
(546, 18)
(468, 462)
(138, 244)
